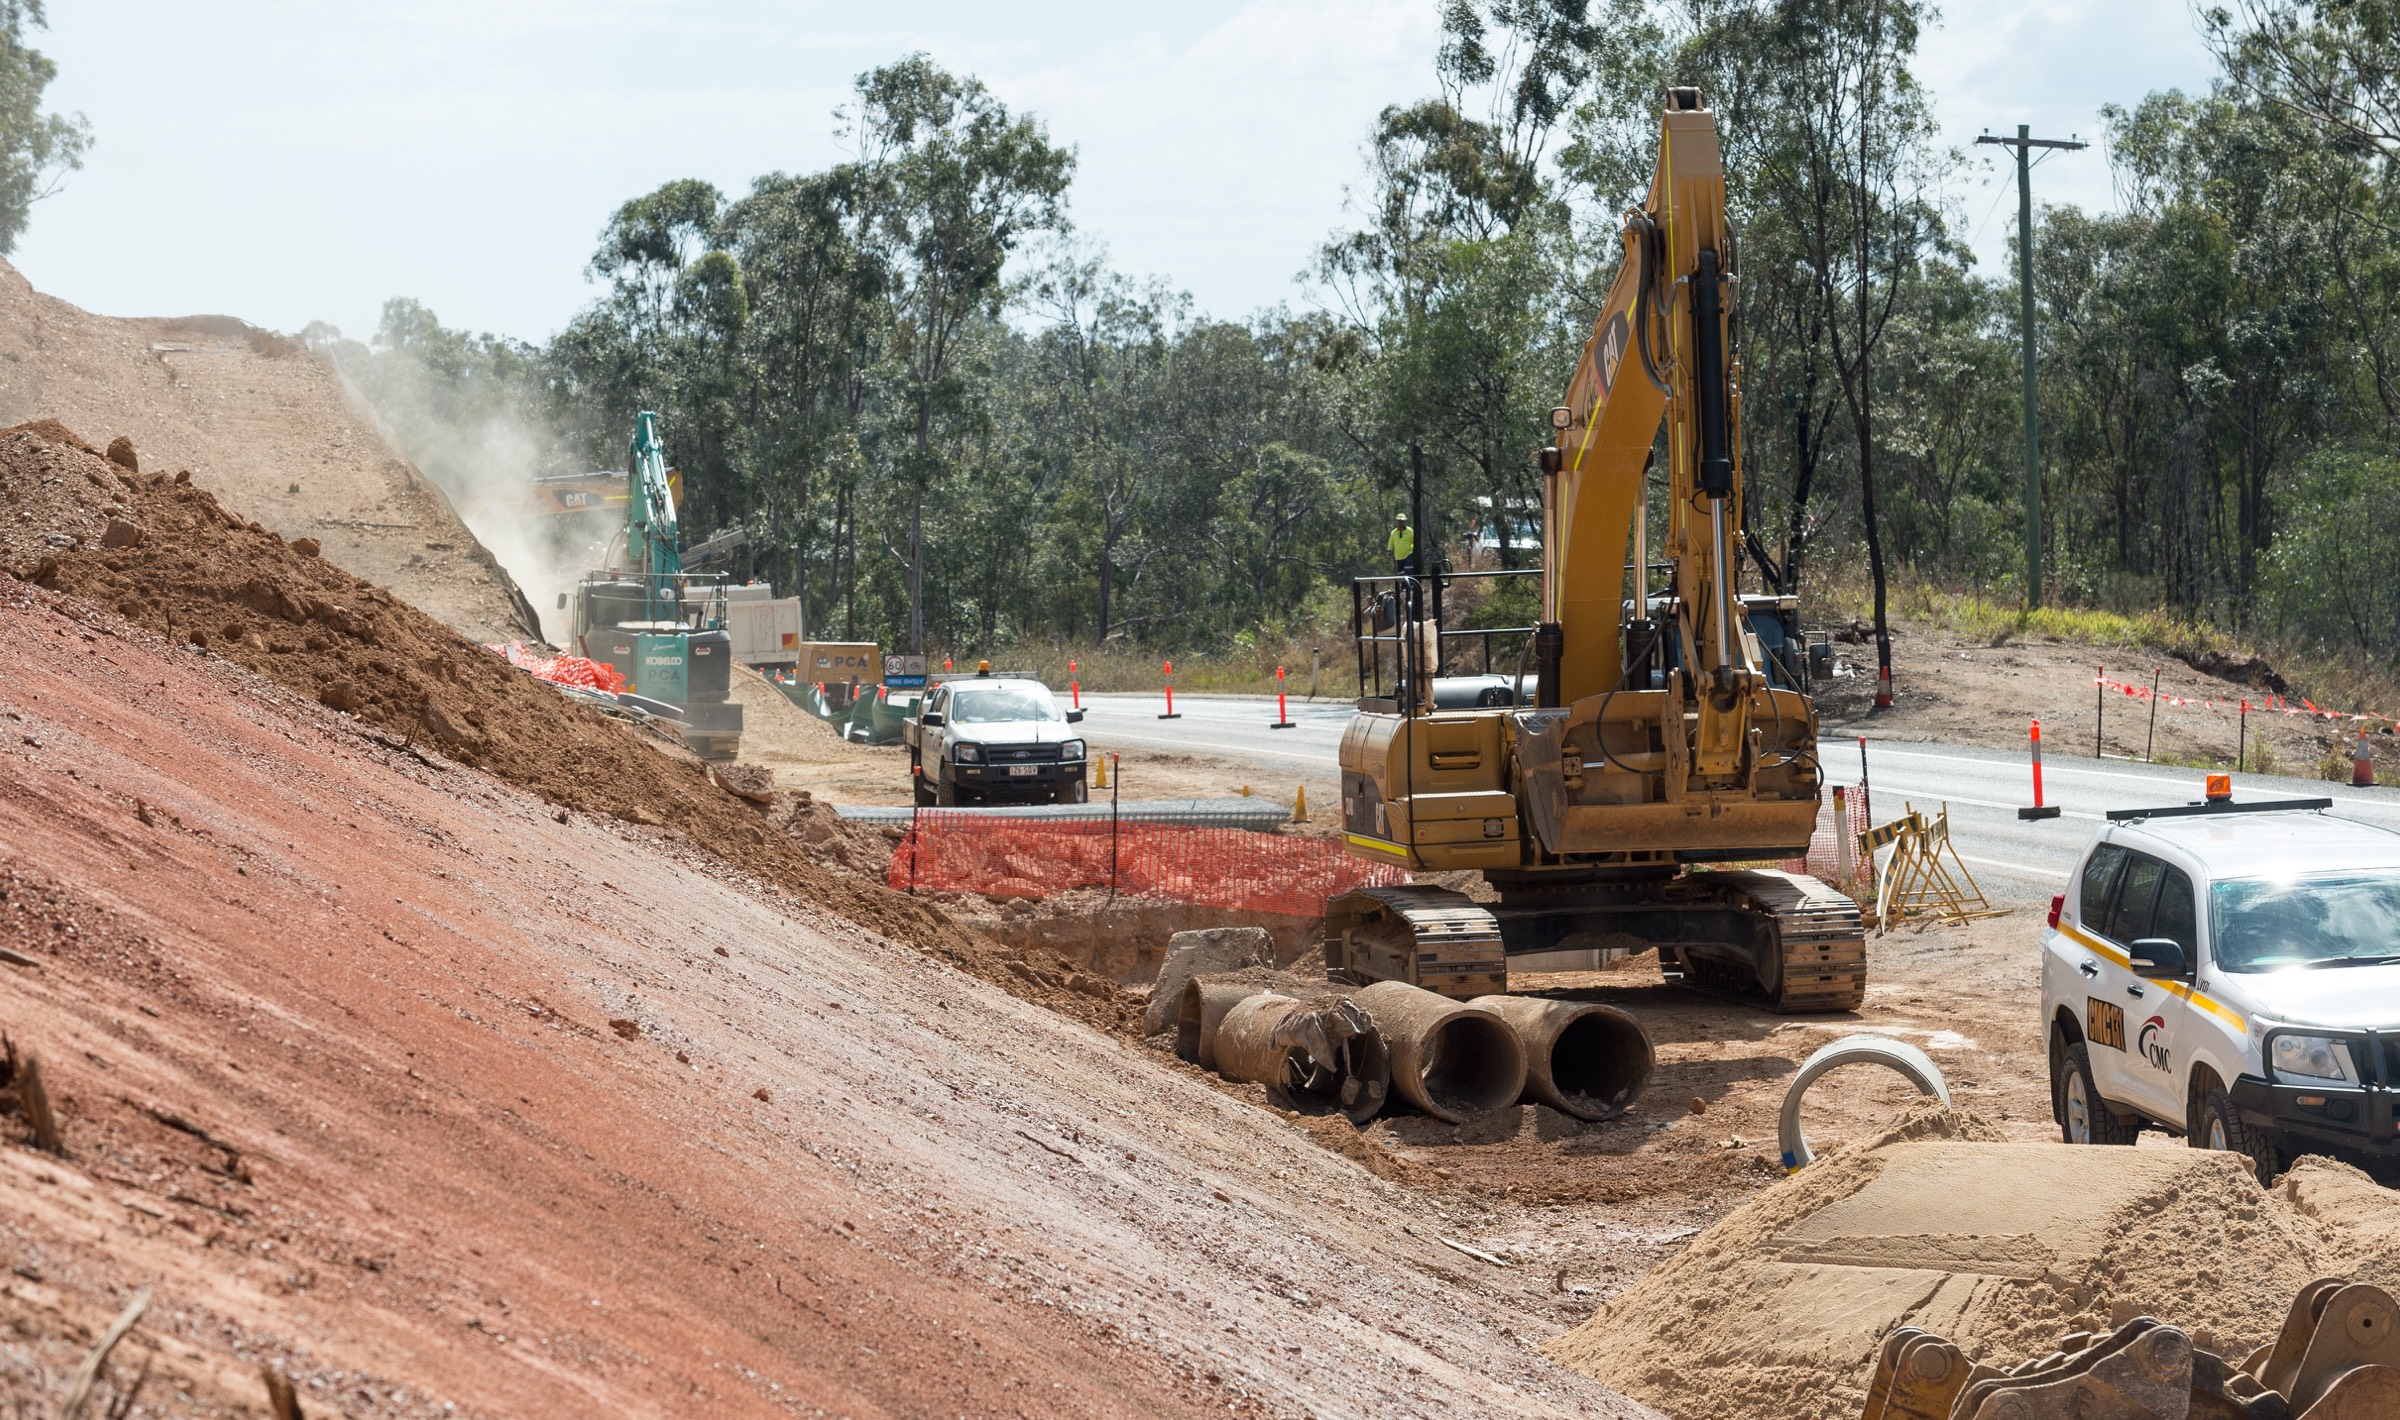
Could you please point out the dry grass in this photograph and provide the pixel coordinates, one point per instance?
(2348, 681)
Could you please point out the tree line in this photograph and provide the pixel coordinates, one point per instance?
(940, 413)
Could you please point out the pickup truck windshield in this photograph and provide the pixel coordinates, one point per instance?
(2266, 924)
(993, 705)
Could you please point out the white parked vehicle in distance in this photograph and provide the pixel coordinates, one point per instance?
(2231, 973)
(989, 739)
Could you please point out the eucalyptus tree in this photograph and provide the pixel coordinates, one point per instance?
(37, 149)
(958, 183)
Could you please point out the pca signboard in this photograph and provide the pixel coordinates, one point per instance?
(839, 662)
(904, 672)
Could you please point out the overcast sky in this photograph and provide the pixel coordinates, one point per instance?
(296, 160)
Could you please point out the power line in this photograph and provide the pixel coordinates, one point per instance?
(2024, 144)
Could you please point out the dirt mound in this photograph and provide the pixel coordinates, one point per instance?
(265, 426)
(377, 1071)
(1776, 1312)
(201, 574)
(2357, 1218)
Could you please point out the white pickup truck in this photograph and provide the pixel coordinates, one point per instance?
(985, 739)
(2231, 973)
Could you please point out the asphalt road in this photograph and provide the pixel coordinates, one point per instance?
(1982, 787)
(1234, 726)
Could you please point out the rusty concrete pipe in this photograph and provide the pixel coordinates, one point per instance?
(1200, 1012)
(1452, 1060)
(1581, 1058)
(1320, 1055)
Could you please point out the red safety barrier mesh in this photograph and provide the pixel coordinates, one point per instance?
(563, 669)
(1825, 854)
(1234, 868)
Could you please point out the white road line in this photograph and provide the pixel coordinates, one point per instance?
(2026, 869)
(1921, 792)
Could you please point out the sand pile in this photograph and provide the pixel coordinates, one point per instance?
(181, 564)
(1776, 1312)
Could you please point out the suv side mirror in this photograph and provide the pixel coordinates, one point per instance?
(1074, 717)
(2158, 959)
(930, 717)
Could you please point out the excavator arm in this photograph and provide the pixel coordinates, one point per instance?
(1659, 351)
(653, 538)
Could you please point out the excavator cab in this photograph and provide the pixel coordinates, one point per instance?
(1667, 762)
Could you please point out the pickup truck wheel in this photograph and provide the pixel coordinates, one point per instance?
(924, 793)
(1074, 791)
(2084, 1117)
(945, 793)
(2220, 1127)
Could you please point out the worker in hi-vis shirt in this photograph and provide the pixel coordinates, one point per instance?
(1403, 543)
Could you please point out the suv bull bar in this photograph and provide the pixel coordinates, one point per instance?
(2361, 1118)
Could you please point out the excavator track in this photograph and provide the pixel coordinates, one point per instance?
(1431, 937)
(1445, 942)
(1818, 941)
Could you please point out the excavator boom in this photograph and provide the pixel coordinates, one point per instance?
(1640, 366)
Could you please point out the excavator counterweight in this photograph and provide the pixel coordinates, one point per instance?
(1671, 743)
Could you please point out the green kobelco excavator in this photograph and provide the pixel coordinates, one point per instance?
(1671, 737)
(661, 627)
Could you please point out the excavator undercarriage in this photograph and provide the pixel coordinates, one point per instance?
(1783, 939)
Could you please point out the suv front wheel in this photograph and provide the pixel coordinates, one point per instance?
(2219, 1126)
(2084, 1117)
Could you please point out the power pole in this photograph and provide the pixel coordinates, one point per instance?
(2024, 143)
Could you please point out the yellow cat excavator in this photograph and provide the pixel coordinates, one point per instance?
(1670, 729)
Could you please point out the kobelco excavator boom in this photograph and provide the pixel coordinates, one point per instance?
(1666, 732)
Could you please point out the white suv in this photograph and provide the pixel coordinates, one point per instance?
(2229, 972)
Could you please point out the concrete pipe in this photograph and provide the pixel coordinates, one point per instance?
(1199, 1014)
(1321, 1055)
(1581, 1058)
(1452, 1060)
(1913, 1064)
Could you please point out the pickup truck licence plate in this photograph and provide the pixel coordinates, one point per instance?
(1023, 771)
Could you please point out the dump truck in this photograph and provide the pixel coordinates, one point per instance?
(1670, 746)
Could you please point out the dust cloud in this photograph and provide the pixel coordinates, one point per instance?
(486, 462)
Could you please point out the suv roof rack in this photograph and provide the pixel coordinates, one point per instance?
(2207, 807)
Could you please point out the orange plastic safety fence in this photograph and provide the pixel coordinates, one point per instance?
(1233, 868)
(563, 669)
(1825, 857)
